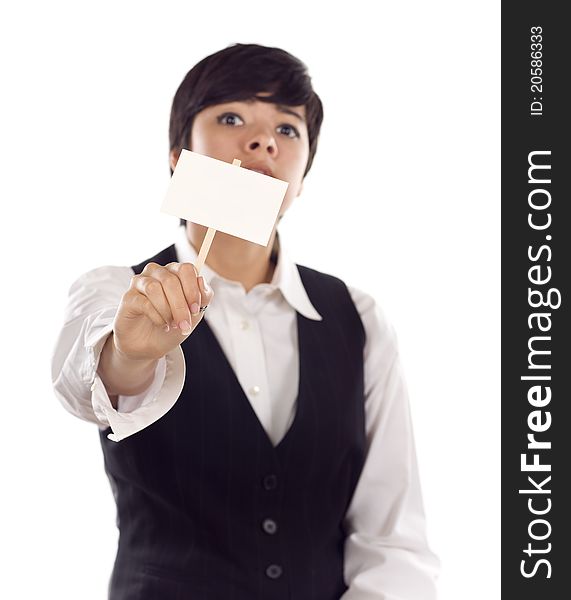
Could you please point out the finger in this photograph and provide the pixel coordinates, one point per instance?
(206, 292)
(172, 287)
(139, 304)
(149, 268)
(152, 289)
(186, 272)
(153, 269)
(206, 295)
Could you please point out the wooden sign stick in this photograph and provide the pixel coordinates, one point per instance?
(206, 243)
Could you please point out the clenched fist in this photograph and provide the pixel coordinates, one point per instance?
(161, 307)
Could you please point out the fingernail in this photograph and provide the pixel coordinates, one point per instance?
(194, 308)
(185, 327)
(174, 325)
(166, 328)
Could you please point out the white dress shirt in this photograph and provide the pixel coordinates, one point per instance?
(386, 553)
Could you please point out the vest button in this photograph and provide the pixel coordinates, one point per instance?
(270, 482)
(269, 526)
(274, 571)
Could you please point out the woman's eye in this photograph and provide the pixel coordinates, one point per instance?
(230, 119)
(289, 131)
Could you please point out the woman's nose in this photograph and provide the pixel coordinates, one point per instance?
(265, 141)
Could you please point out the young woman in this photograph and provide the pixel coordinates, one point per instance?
(254, 420)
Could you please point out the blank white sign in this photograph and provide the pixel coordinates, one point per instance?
(225, 197)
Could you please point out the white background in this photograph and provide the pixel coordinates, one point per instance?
(402, 201)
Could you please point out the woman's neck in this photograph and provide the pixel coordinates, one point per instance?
(234, 258)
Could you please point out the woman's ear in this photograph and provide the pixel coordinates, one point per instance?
(173, 158)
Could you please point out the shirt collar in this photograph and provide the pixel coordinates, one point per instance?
(286, 276)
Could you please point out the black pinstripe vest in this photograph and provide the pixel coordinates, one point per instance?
(209, 509)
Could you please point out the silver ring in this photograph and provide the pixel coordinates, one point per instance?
(203, 308)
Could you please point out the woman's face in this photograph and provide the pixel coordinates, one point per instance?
(266, 137)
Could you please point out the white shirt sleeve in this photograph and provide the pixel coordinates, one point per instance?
(88, 321)
(386, 552)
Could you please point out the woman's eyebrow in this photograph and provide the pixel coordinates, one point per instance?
(289, 111)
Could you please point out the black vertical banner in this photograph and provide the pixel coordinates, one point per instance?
(536, 332)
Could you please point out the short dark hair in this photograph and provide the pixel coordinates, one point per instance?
(240, 72)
